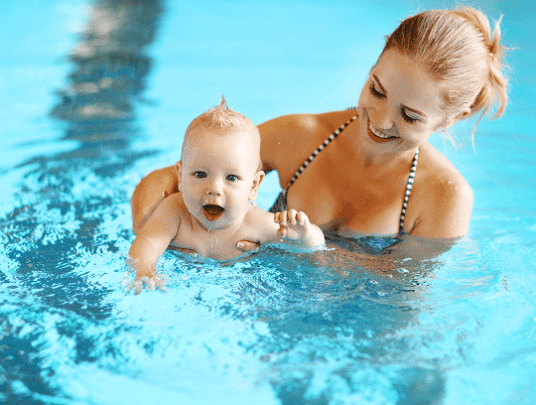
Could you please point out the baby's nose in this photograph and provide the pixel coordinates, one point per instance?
(214, 187)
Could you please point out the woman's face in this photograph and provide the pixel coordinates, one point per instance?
(400, 105)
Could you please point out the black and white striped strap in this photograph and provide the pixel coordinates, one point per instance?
(408, 189)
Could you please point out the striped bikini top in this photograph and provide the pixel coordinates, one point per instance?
(281, 202)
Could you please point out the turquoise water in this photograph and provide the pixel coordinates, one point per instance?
(341, 326)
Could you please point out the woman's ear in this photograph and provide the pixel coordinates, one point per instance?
(178, 165)
(464, 114)
(257, 180)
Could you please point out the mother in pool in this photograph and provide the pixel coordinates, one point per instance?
(352, 171)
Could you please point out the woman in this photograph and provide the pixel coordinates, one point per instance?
(377, 174)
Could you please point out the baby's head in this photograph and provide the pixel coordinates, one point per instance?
(219, 172)
(220, 120)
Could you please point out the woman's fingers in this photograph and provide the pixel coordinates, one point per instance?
(247, 245)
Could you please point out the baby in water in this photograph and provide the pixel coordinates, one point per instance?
(219, 177)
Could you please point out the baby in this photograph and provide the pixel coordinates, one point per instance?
(219, 177)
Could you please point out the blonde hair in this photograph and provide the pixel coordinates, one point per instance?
(222, 120)
(457, 48)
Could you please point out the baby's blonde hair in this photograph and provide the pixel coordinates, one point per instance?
(458, 49)
(222, 120)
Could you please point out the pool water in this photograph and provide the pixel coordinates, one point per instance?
(96, 95)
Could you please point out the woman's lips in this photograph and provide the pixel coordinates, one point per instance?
(375, 137)
(212, 212)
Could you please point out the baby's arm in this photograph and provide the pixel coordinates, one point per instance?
(295, 227)
(153, 240)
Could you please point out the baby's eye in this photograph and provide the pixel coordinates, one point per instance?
(200, 175)
(232, 178)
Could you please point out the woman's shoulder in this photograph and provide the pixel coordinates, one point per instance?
(289, 125)
(444, 196)
(439, 172)
(298, 134)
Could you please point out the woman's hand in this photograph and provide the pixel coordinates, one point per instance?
(247, 246)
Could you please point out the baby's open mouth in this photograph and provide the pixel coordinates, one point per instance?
(212, 212)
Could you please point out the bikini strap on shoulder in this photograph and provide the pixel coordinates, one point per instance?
(317, 151)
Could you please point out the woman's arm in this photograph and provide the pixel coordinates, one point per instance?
(149, 193)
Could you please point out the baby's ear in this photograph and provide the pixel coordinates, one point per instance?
(257, 180)
(178, 166)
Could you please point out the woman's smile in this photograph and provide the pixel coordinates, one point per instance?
(378, 136)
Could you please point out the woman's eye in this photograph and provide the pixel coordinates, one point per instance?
(200, 175)
(232, 178)
(375, 92)
(407, 118)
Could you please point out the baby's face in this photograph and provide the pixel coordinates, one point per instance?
(218, 176)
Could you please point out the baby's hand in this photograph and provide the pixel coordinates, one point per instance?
(157, 280)
(144, 275)
(293, 225)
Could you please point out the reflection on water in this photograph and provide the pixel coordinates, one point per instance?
(62, 211)
(109, 71)
(351, 324)
(64, 194)
(110, 67)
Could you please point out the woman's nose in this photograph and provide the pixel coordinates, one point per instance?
(381, 119)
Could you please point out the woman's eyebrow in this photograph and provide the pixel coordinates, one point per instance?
(379, 84)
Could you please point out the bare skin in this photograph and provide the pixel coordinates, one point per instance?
(218, 179)
(356, 185)
(368, 201)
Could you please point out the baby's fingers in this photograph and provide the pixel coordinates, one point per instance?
(292, 216)
(302, 218)
(139, 286)
(286, 218)
(151, 283)
(281, 218)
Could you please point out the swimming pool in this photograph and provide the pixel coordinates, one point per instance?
(341, 326)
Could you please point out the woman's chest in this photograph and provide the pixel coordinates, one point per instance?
(339, 199)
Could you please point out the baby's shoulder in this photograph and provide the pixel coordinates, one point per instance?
(260, 224)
